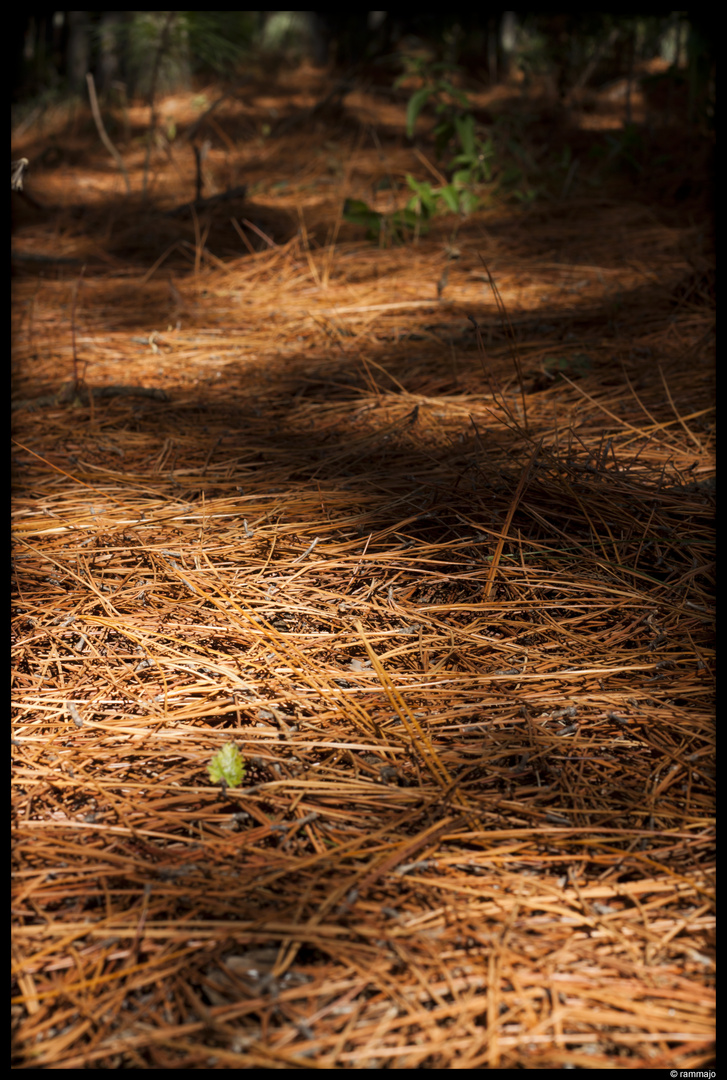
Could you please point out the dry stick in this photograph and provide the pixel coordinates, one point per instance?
(241, 233)
(260, 233)
(427, 163)
(198, 241)
(200, 153)
(102, 131)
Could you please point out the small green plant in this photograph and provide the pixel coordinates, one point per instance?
(227, 767)
(382, 227)
(475, 159)
(449, 101)
(470, 164)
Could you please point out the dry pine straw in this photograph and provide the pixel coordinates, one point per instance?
(458, 621)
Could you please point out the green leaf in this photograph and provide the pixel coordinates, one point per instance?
(419, 186)
(461, 178)
(407, 219)
(357, 211)
(450, 196)
(425, 199)
(360, 213)
(468, 202)
(416, 103)
(466, 133)
(227, 767)
(445, 86)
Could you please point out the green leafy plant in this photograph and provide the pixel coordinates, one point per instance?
(475, 159)
(449, 101)
(470, 164)
(382, 227)
(227, 767)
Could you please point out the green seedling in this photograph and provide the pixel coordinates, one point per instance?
(227, 767)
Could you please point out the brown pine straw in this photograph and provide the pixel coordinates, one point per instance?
(457, 617)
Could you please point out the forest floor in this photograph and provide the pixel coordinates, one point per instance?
(419, 534)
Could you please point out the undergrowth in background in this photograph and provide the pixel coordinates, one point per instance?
(475, 160)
